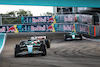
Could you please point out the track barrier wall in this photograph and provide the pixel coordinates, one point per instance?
(54, 27)
(59, 23)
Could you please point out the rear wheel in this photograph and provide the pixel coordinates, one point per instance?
(22, 43)
(17, 50)
(47, 42)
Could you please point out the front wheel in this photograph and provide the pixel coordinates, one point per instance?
(80, 37)
(17, 50)
(43, 48)
(44, 53)
(65, 36)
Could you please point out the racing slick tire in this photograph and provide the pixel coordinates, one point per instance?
(17, 50)
(43, 48)
(22, 43)
(47, 42)
(65, 36)
(44, 53)
(80, 37)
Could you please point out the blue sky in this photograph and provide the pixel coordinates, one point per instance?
(35, 10)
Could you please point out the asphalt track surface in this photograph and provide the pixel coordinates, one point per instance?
(75, 53)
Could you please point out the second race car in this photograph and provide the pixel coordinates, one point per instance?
(72, 36)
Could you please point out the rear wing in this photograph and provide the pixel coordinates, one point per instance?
(23, 40)
(41, 37)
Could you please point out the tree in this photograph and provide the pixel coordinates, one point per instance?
(24, 13)
(47, 14)
(14, 17)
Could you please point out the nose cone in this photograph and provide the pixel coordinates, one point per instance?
(30, 48)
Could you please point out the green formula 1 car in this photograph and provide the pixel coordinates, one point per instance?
(34, 45)
(72, 36)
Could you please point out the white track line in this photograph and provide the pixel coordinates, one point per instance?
(3, 43)
(98, 40)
